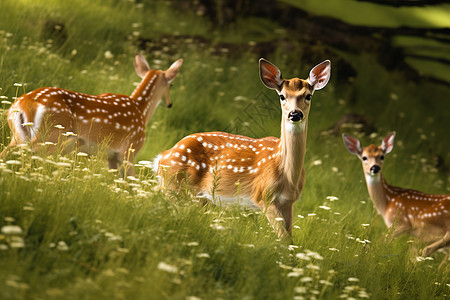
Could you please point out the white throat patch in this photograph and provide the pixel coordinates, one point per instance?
(295, 127)
(372, 179)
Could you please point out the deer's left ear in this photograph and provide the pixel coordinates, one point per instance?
(320, 75)
(388, 143)
(172, 71)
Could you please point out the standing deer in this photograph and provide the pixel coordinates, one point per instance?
(119, 120)
(267, 173)
(408, 211)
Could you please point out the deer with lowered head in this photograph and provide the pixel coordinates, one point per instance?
(120, 120)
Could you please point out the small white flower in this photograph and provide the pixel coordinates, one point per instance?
(59, 126)
(108, 55)
(332, 198)
(11, 230)
(69, 133)
(300, 290)
(314, 255)
(167, 268)
(317, 162)
(62, 246)
(82, 154)
(324, 207)
(63, 165)
(17, 242)
(30, 124)
(303, 256)
(203, 255)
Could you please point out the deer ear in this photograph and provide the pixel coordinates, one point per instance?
(388, 143)
(141, 65)
(270, 75)
(172, 71)
(320, 75)
(352, 144)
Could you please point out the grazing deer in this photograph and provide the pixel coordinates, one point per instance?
(119, 120)
(408, 211)
(266, 173)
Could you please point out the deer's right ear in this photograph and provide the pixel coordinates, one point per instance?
(172, 71)
(141, 65)
(270, 75)
(388, 143)
(352, 144)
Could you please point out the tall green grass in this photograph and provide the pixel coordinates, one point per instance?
(79, 231)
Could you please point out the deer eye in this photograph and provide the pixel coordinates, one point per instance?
(364, 158)
(382, 157)
(282, 98)
(308, 97)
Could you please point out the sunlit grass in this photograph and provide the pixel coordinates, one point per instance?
(69, 228)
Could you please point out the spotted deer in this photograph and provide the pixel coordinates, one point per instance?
(120, 120)
(407, 211)
(266, 173)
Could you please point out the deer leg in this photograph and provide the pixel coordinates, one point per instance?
(8, 149)
(441, 243)
(113, 160)
(128, 162)
(401, 229)
(280, 217)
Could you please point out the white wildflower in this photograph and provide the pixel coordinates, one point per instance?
(11, 230)
(62, 246)
(167, 268)
(317, 162)
(203, 255)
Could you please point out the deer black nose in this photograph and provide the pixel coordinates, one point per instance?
(295, 116)
(375, 169)
(169, 105)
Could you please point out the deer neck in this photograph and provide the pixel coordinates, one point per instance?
(377, 187)
(147, 95)
(292, 150)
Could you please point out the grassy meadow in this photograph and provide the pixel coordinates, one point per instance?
(72, 229)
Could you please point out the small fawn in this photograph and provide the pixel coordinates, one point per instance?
(408, 211)
(266, 173)
(119, 120)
